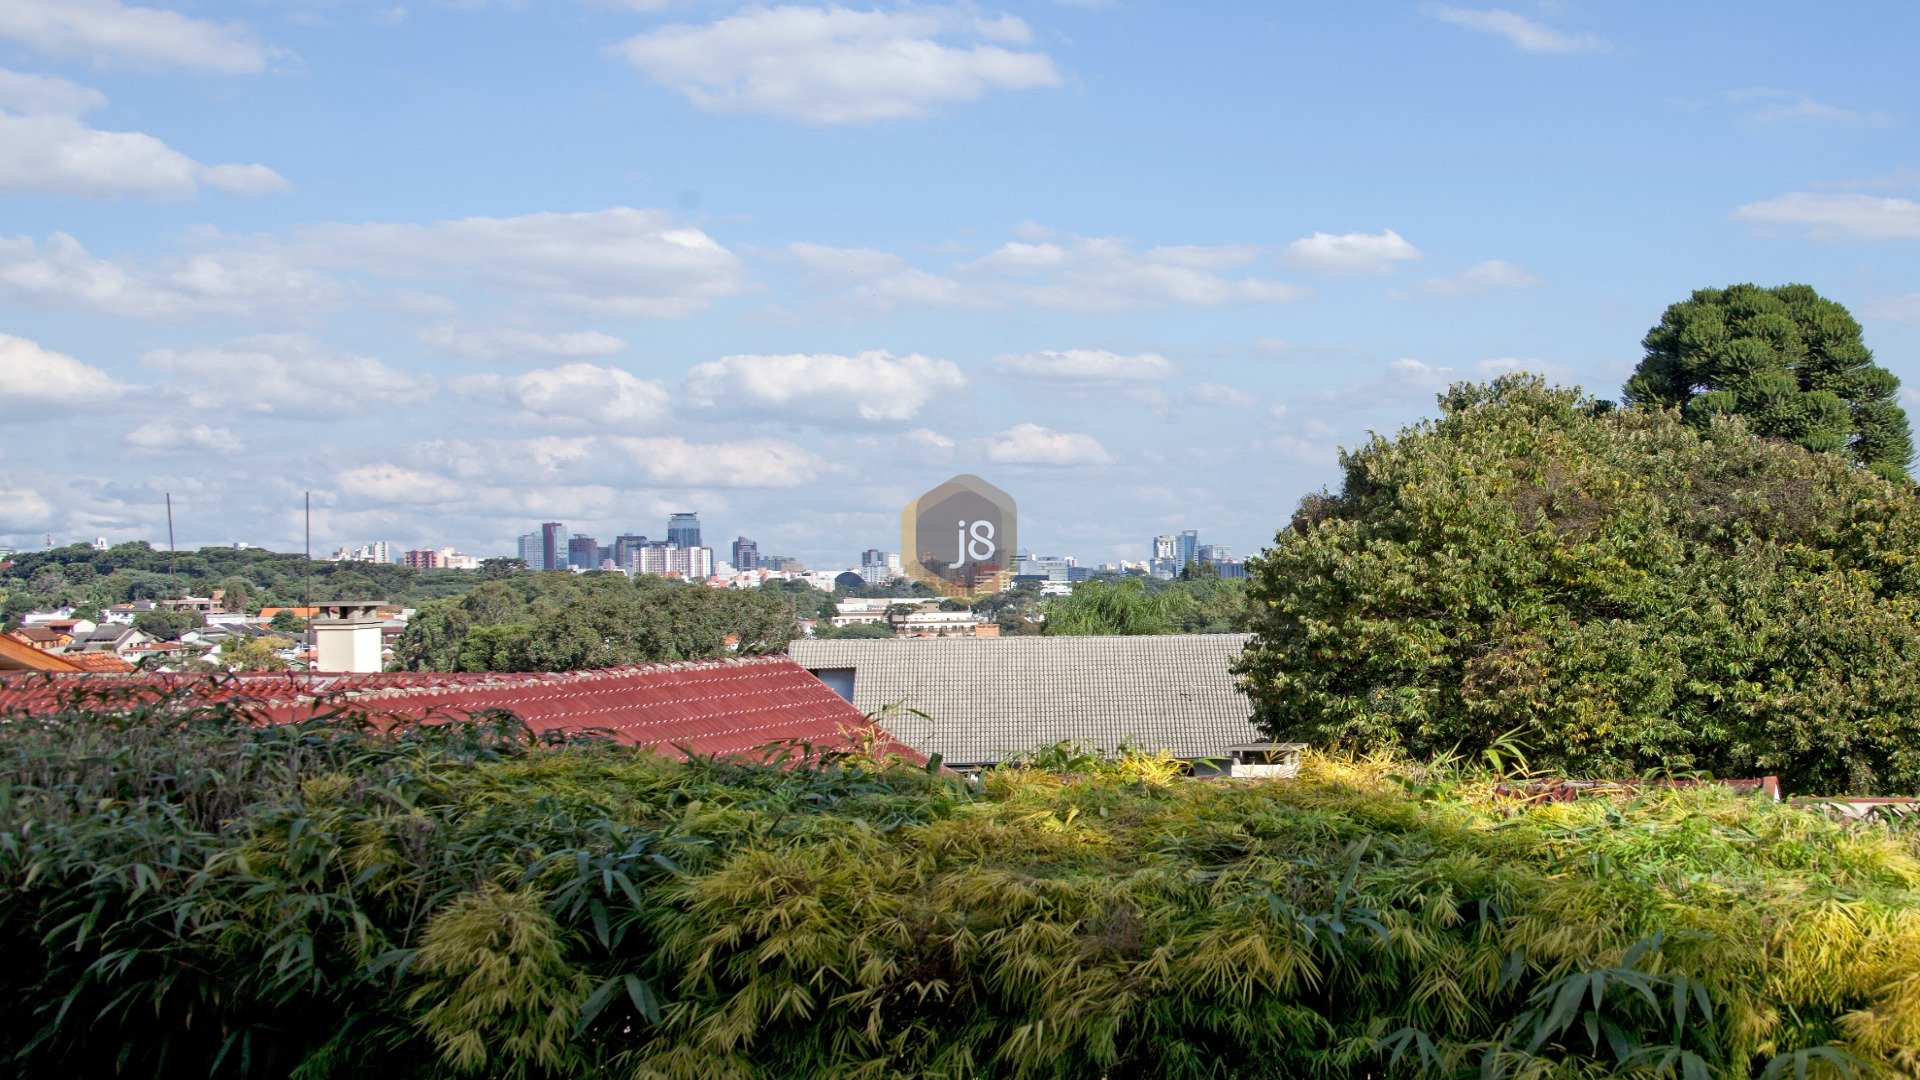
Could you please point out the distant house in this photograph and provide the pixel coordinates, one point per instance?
(199, 605)
(117, 639)
(18, 655)
(44, 637)
(988, 699)
(124, 614)
(721, 707)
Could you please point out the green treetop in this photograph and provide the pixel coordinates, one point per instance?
(1788, 360)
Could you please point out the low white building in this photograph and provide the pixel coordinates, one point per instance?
(850, 612)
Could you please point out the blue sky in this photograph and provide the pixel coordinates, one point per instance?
(461, 267)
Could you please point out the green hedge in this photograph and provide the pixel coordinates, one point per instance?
(194, 895)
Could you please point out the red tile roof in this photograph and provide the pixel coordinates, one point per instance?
(99, 662)
(710, 707)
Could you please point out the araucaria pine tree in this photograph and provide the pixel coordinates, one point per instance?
(1787, 359)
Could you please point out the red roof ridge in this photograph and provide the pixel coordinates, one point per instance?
(724, 706)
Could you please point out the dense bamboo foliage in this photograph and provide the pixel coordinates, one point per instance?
(193, 895)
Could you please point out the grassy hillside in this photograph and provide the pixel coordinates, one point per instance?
(199, 895)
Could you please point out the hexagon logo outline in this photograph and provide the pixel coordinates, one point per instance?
(961, 538)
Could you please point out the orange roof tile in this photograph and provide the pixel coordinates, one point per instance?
(101, 662)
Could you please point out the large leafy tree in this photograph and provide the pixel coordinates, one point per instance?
(1789, 360)
(1623, 589)
(564, 622)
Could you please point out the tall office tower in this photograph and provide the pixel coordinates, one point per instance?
(1161, 564)
(530, 550)
(583, 552)
(624, 546)
(1186, 549)
(878, 567)
(746, 554)
(553, 546)
(683, 530)
(1215, 553)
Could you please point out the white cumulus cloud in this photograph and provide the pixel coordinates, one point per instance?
(174, 437)
(834, 65)
(1228, 397)
(577, 393)
(627, 461)
(284, 374)
(1107, 276)
(621, 261)
(21, 92)
(45, 146)
(1078, 274)
(385, 482)
(507, 344)
(64, 156)
(879, 280)
(1485, 277)
(1031, 444)
(1086, 366)
(109, 32)
(35, 379)
(1523, 33)
(61, 273)
(1839, 216)
(874, 386)
(1351, 253)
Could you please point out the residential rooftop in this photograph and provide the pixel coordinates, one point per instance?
(988, 699)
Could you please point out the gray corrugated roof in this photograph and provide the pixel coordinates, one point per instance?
(991, 698)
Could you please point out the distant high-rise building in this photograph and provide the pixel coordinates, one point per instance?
(672, 560)
(583, 552)
(683, 530)
(1162, 563)
(879, 567)
(1051, 567)
(624, 546)
(553, 546)
(746, 554)
(1186, 549)
(530, 550)
(1215, 553)
(379, 551)
(781, 563)
(426, 559)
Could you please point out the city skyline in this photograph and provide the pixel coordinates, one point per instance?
(456, 267)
